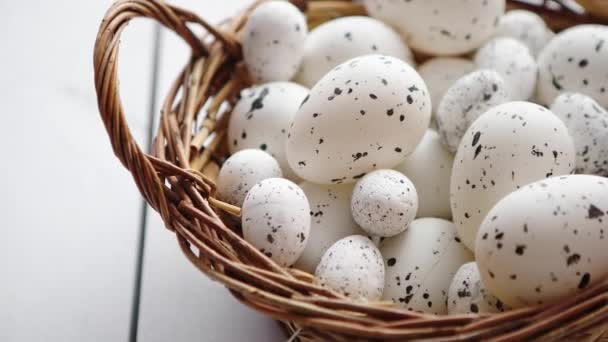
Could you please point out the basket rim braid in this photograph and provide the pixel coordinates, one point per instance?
(176, 179)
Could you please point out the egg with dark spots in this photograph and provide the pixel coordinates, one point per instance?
(273, 41)
(468, 294)
(553, 247)
(356, 143)
(468, 98)
(439, 27)
(339, 40)
(527, 27)
(420, 265)
(513, 61)
(276, 219)
(507, 147)
(587, 123)
(576, 60)
(384, 202)
(354, 267)
(261, 119)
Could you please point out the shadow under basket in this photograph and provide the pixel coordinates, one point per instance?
(177, 180)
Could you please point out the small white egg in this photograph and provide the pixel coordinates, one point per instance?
(367, 113)
(261, 119)
(339, 40)
(440, 27)
(242, 171)
(384, 202)
(276, 219)
(420, 265)
(507, 147)
(273, 41)
(468, 294)
(525, 26)
(546, 241)
(429, 168)
(353, 266)
(513, 61)
(465, 101)
(330, 221)
(441, 72)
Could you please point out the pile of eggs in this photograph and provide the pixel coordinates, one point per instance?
(471, 183)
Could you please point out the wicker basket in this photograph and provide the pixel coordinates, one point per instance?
(177, 180)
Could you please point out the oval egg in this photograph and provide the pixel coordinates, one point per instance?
(468, 294)
(525, 26)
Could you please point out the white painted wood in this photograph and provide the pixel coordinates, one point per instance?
(178, 302)
(70, 212)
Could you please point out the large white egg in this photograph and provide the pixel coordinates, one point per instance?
(527, 27)
(339, 40)
(420, 265)
(468, 294)
(546, 241)
(513, 61)
(441, 72)
(440, 27)
(575, 60)
(429, 167)
(242, 171)
(261, 118)
(276, 219)
(273, 41)
(367, 113)
(507, 147)
(330, 220)
(353, 266)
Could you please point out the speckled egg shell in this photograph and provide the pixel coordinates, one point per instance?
(587, 123)
(465, 101)
(276, 219)
(468, 294)
(429, 167)
(507, 147)
(440, 27)
(554, 246)
(441, 72)
(330, 221)
(367, 113)
(273, 41)
(339, 40)
(420, 265)
(525, 26)
(261, 118)
(242, 171)
(575, 60)
(353, 266)
(513, 61)
(384, 202)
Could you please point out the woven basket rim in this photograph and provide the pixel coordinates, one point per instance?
(176, 179)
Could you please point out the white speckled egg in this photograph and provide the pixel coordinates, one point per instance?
(429, 167)
(507, 147)
(367, 113)
(261, 118)
(330, 221)
(440, 27)
(276, 219)
(465, 101)
(468, 294)
(384, 202)
(546, 241)
(273, 41)
(420, 265)
(587, 123)
(242, 171)
(441, 72)
(513, 61)
(525, 26)
(353, 266)
(575, 60)
(339, 40)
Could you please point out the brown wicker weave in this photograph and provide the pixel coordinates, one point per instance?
(177, 180)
